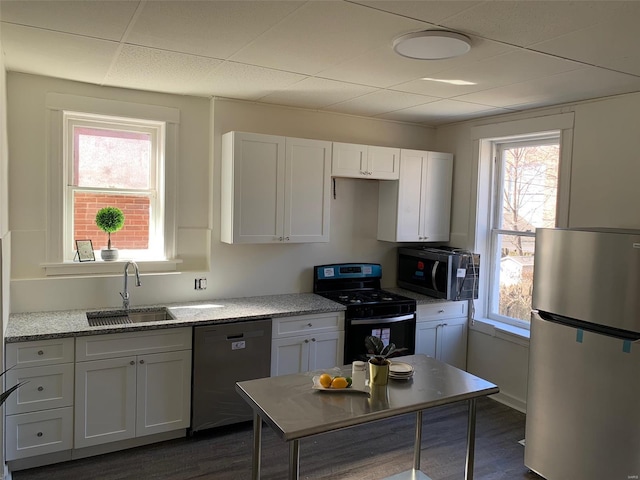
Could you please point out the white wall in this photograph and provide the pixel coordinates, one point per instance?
(231, 270)
(605, 169)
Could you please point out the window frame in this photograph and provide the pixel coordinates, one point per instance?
(482, 136)
(497, 203)
(56, 104)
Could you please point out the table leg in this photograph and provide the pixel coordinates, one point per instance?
(294, 459)
(257, 446)
(471, 439)
(418, 441)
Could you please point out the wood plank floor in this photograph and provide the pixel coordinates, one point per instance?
(368, 452)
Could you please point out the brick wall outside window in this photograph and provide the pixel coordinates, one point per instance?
(134, 234)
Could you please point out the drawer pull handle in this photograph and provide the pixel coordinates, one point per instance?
(39, 434)
(141, 361)
(40, 388)
(40, 352)
(132, 362)
(306, 340)
(309, 325)
(440, 311)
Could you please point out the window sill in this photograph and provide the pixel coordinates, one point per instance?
(501, 330)
(106, 268)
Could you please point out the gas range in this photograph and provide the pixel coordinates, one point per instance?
(369, 309)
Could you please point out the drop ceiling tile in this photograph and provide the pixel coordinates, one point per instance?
(382, 67)
(316, 93)
(52, 54)
(380, 101)
(432, 11)
(106, 20)
(526, 22)
(612, 45)
(564, 87)
(161, 71)
(442, 111)
(248, 82)
(491, 73)
(324, 33)
(208, 28)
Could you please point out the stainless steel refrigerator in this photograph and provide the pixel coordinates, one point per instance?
(583, 398)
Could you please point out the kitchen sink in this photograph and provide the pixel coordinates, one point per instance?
(134, 315)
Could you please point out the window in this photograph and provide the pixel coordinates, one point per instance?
(117, 162)
(525, 193)
(111, 153)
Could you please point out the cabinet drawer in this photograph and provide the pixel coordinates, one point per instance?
(37, 433)
(46, 387)
(115, 345)
(43, 352)
(300, 325)
(437, 311)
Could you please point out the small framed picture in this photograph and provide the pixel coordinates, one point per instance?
(84, 251)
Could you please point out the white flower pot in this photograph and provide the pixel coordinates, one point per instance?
(109, 255)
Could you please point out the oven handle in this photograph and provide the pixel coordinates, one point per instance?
(376, 321)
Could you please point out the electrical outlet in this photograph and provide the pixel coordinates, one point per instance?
(201, 284)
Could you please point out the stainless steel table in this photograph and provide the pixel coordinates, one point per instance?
(290, 406)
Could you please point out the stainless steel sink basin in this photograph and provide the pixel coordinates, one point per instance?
(134, 315)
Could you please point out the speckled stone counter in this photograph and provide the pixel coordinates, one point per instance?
(72, 323)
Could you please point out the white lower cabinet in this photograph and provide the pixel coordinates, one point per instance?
(40, 413)
(309, 342)
(441, 332)
(132, 395)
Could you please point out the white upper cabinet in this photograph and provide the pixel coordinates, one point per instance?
(274, 189)
(417, 208)
(365, 161)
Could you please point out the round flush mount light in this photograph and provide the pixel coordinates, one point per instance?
(432, 45)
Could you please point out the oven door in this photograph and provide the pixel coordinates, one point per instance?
(397, 329)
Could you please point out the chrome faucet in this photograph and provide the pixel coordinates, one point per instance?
(125, 294)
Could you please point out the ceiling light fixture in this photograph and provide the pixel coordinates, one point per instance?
(450, 82)
(432, 45)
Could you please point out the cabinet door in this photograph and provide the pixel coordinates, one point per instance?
(409, 206)
(326, 351)
(453, 344)
(307, 190)
(427, 338)
(289, 355)
(383, 163)
(163, 392)
(105, 401)
(252, 187)
(435, 201)
(349, 160)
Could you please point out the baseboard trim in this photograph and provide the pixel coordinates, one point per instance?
(510, 401)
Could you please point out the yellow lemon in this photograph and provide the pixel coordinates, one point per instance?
(325, 380)
(339, 382)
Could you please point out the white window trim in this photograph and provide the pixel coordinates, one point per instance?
(56, 104)
(483, 138)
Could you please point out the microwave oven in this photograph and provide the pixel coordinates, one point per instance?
(441, 272)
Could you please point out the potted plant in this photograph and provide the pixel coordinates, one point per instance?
(109, 220)
(378, 355)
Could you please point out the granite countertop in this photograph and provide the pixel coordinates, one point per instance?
(73, 323)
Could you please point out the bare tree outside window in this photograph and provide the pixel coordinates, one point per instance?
(527, 176)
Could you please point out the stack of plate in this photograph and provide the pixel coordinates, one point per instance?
(400, 371)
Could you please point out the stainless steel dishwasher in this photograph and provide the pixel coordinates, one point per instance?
(223, 355)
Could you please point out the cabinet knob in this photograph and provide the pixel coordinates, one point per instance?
(40, 388)
(313, 339)
(309, 325)
(40, 352)
(141, 361)
(286, 238)
(280, 238)
(39, 434)
(132, 362)
(363, 173)
(440, 311)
